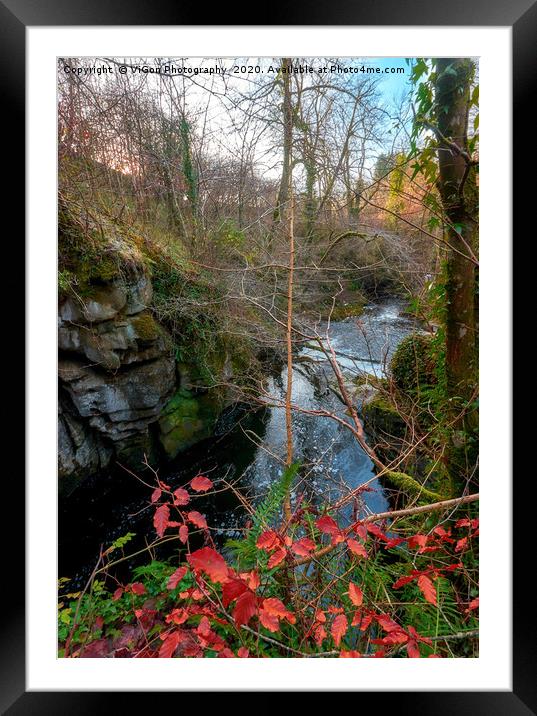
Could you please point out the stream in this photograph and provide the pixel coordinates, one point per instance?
(246, 449)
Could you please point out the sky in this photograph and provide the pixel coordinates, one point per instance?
(391, 86)
(213, 113)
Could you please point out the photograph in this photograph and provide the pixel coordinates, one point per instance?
(268, 357)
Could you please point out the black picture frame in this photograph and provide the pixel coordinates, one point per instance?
(15, 17)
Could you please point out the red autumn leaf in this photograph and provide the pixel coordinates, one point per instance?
(377, 532)
(268, 540)
(387, 623)
(96, 650)
(176, 577)
(170, 644)
(303, 546)
(402, 581)
(360, 530)
(197, 519)
(155, 497)
(160, 519)
(209, 561)
(201, 483)
(269, 621)
(117, 594)
(461, 544)
(339, 628)
(277, 557)
(204, 627)
(177, 616)
(349, 655)
(319, 634)
(251, 579)
(181, 497)
(243, 653)
(320, 616)
(427, 588)
(393, 637)
(417, 637)
(465, 522)
(361, 620)
(232, 589)
(193, 650)
(355, 594)
(417, 541)
(395, 542)
(357, 548)
(412, 649)
(474, 604)
(138, 588)
(245, 608)
(274, 606)
(183, 533)
(327, 525)
(335, 610)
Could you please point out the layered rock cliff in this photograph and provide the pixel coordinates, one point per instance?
(116, 374)
(129, 384)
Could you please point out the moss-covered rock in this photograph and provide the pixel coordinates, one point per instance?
(417, 479)
(186, 420)
(145, 327)
(413, 366)
(411, 487)
(381, 417)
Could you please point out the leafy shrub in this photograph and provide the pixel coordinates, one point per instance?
(313, 587)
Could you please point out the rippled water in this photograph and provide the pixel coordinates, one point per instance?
(331, 460)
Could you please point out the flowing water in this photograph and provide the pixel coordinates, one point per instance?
(247, 450)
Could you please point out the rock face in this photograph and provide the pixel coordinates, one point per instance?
(116, 374)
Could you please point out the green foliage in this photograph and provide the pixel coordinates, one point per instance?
(120, 542)
(245, 550)
(424, 137)
(228, 236)
(188, 168)
(317, 587)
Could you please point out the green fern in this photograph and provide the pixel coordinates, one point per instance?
(245, 549)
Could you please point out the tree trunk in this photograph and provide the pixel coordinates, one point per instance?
(283, 193)
(458, 190)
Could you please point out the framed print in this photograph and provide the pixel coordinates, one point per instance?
(266, 266)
